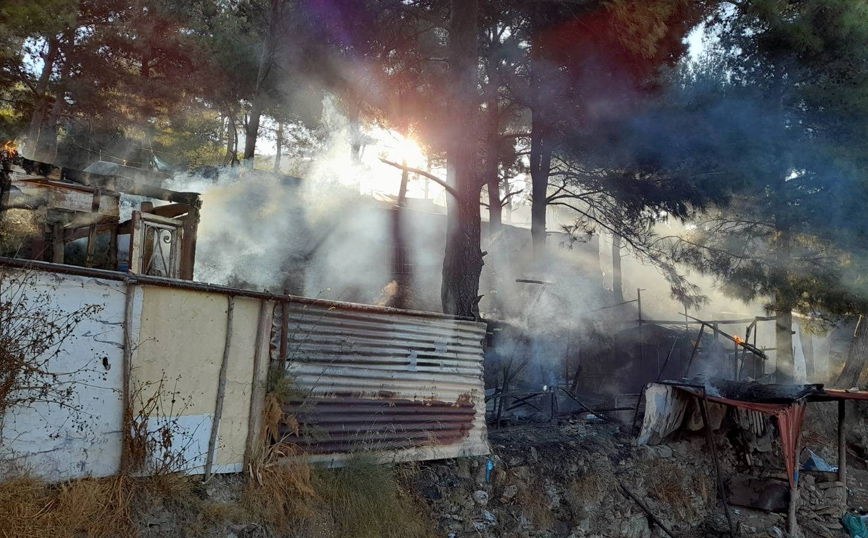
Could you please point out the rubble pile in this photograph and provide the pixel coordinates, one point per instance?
(821, 505)
(569, 480)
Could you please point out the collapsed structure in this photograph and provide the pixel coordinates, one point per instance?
(74, 205)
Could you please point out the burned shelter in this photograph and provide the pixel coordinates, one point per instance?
(108, 216)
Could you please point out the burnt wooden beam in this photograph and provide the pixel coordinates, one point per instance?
(171, 211)
(190, 231)
(91, 236)
(58, 243)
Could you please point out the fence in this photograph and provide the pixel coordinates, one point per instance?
(193, 359)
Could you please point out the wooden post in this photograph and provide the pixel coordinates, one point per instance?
(735, 361)
(695, 348)
(113, 247)
(842, 446)
(91, 234)
(221, 391)
(709, 436)
(792, 522)
(792, 509)
(58, 243)
(188, 243)
(257, 396)
(127, 418)
(284, 333)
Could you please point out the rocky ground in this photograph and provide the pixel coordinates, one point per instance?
(571, 478)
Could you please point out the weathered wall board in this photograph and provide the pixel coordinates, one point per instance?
(403, 385)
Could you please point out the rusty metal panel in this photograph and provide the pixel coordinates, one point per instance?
(402, 386)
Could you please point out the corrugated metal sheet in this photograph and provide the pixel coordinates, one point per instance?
(405, 386)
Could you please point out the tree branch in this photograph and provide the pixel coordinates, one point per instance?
(422, 173)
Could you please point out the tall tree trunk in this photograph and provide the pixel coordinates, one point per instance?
(266, 62)
(279, 147)
(784, 357)
(540, 150)
(48, 138)
(857, 357)
(784, 360)
(462, 261)
(492, 160)
(42, 103)
(401, 276)
(617, 277)
(807, 343)
(251, 131)
(355, 130)
(231, 156)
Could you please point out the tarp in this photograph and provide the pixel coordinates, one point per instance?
(789, 417)
(665, 411)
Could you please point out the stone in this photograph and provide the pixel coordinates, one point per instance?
(509, 492)
(634, 527)
(553, 495)
(489, 517)
(463, 470)
(481, 497)
(663, 451)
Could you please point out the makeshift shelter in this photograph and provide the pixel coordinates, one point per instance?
(666, 410)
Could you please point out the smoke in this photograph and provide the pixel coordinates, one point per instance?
(314, 235)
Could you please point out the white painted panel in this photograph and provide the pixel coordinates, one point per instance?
(56, 443)
(190, 434)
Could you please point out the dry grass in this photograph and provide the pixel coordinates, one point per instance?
(363, 500)
(685, 493)
(366, 500)
(89, 507)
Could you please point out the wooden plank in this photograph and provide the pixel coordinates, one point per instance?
(136, 253)
(58, 243)
(171, 211)
(72, 200)
(188, 244)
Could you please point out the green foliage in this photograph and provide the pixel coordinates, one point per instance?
(778, 109)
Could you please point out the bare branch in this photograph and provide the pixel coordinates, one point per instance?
(422, 173)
